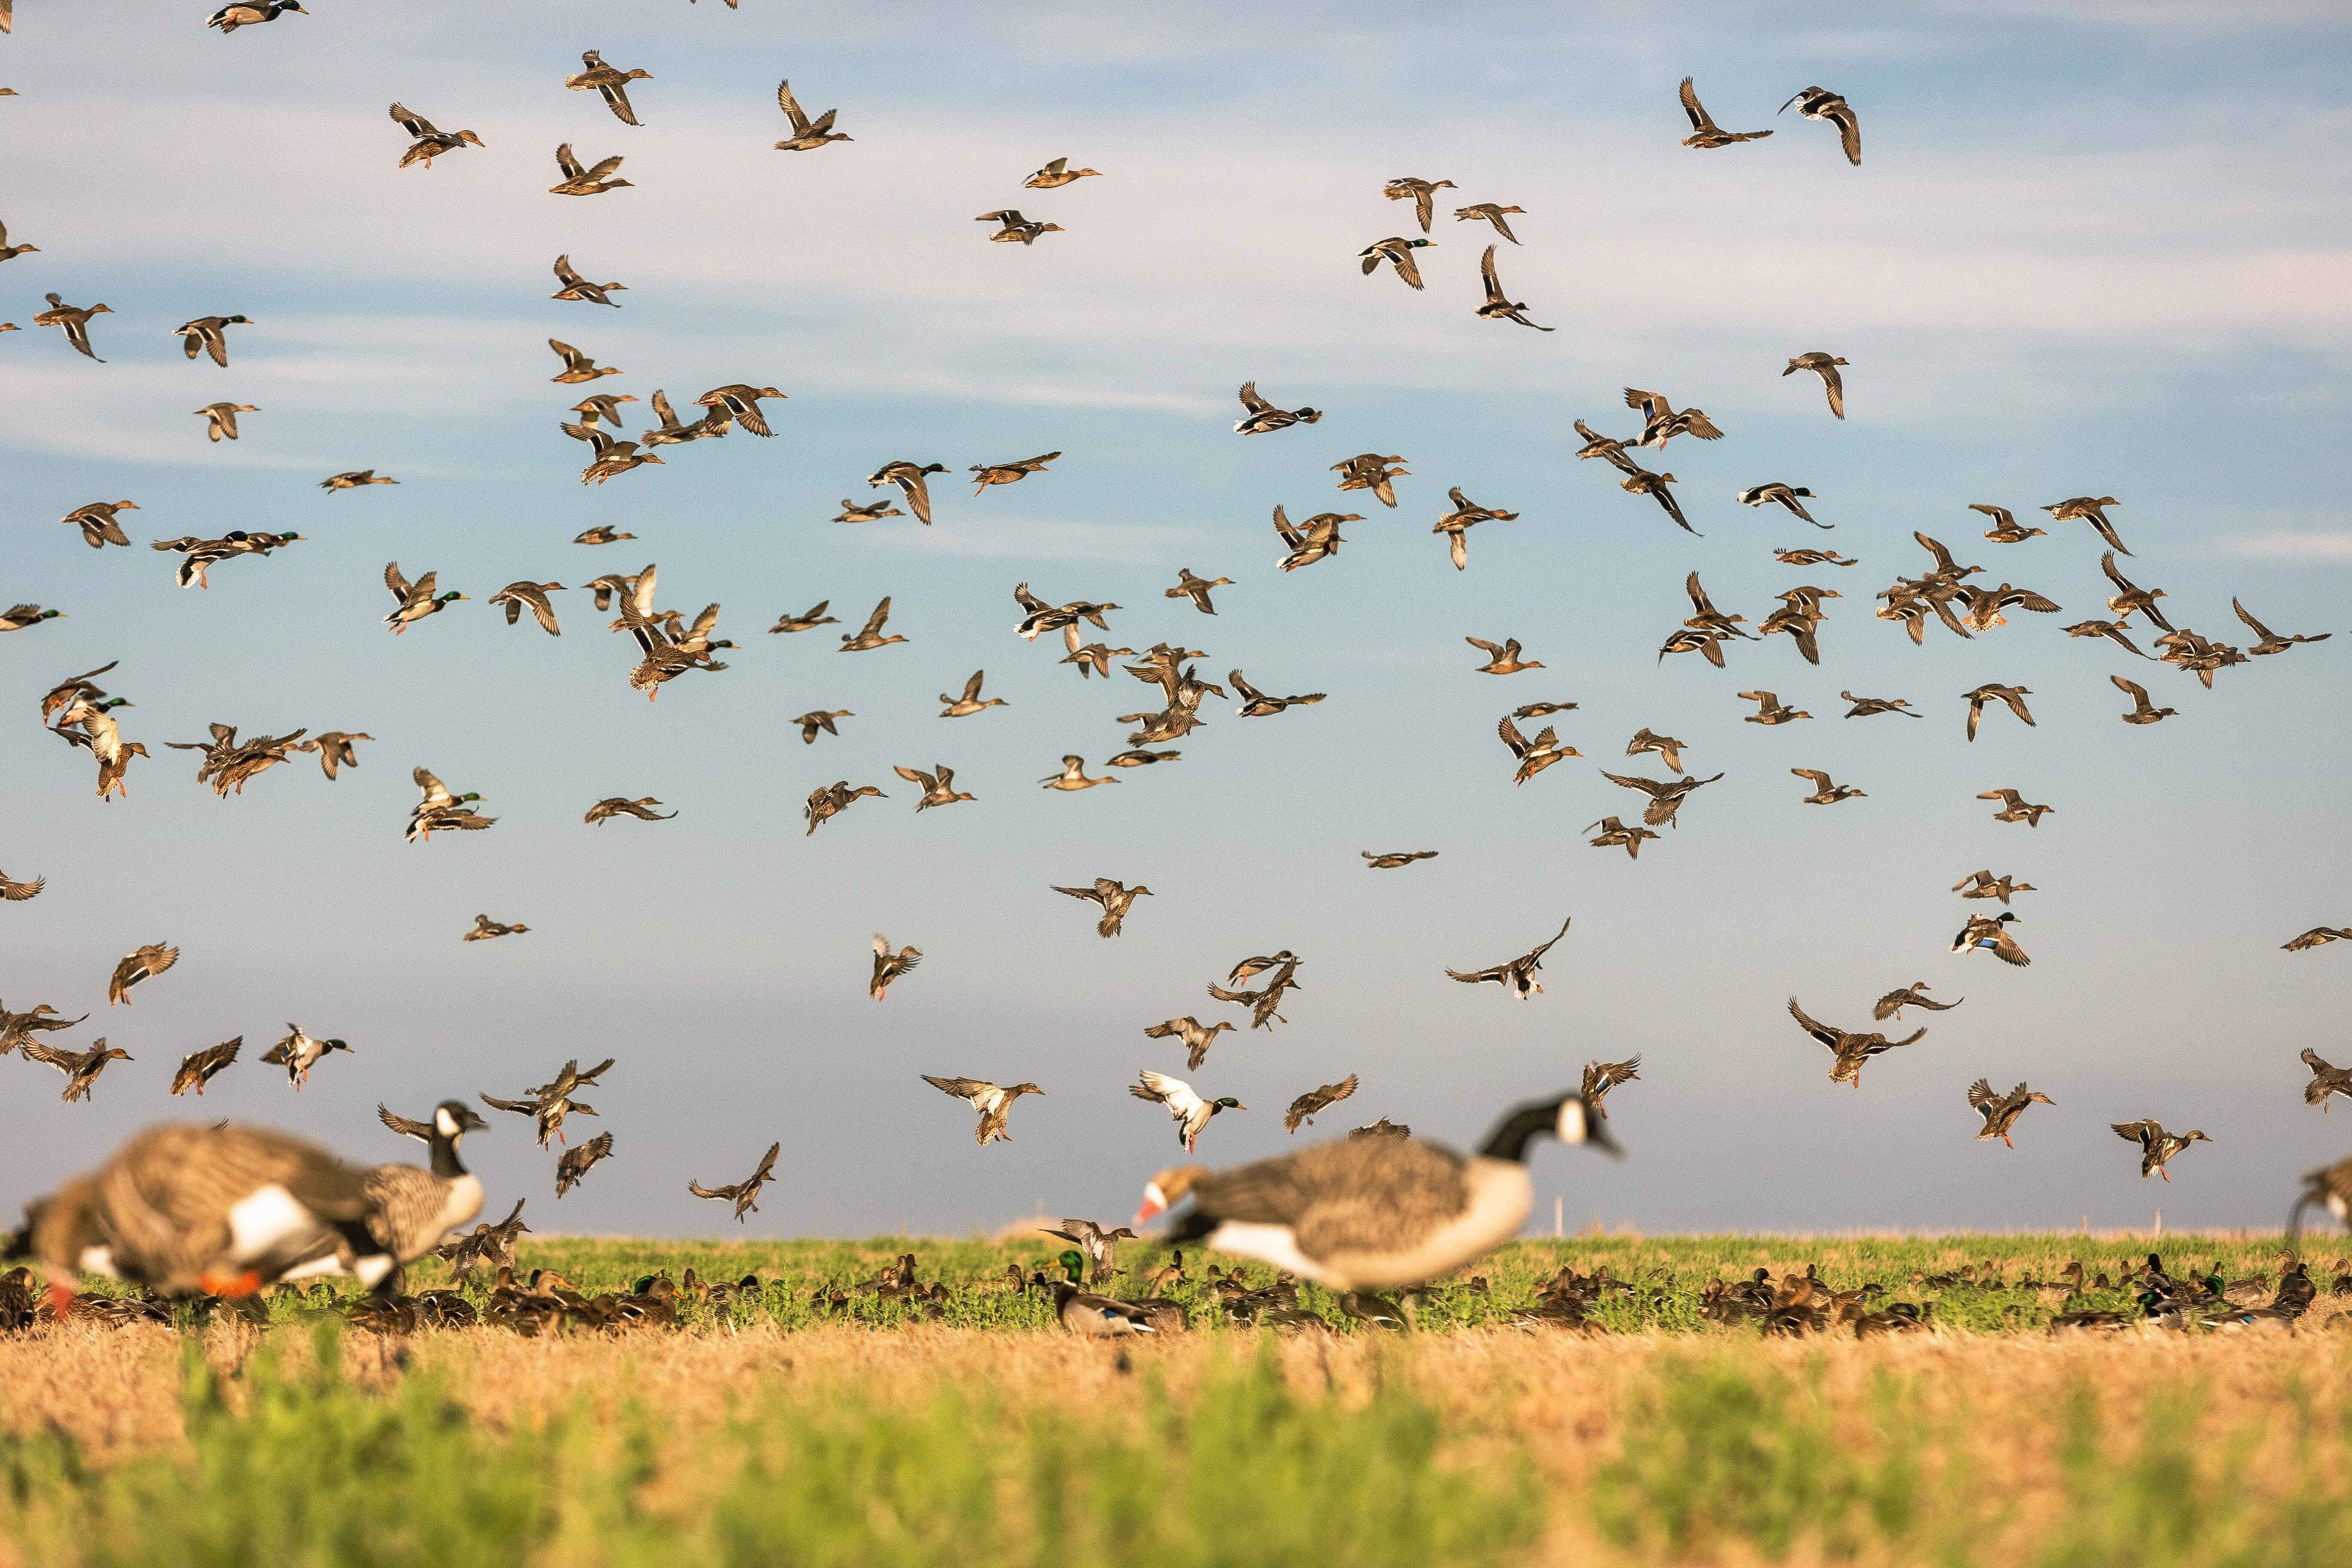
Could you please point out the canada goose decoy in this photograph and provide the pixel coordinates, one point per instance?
(517, 598)
(412, 601)
(994, 1104)
(1116, 898)
(1456, 524)
(1848, 1050)
(336, 749)
(938, 785)
(16, 1029)
(1783, 495)
(1600, 1078)
(2271, 641)
(575, 286)
(354, 479)
(1313, 539)
(1196, 589)
(1533, 756)
(912, 481)
(17, 892)
(298, 1053)
(2000, 1111)
(2317, 936)
(198, 1069)
(74, 320)
(868, 636)
(614, 806)
(2143, 711)
(1197, 1037)
(1302, 1110)
(2014, 807)
(585, 180)
(1985, 885)
(1499, 306)
(1395, 859)
(1054, 176)
(1891, 1005)
(1376, 1211)
(136, 969)
(1503, 657)
(825, 804)
(1770, 710)
(573, 1162)
(1421, 192)
(1397, 251)
(1260, 417)
(2325, 1080)
(2014, 696)
(206, 335)
(1010, 473)
(1820, 103)
(819, 719)
(611, 82)
(251, 14)
(1096, 1317)
(745, 1194)
(1640, 481)
(1824, 792)
(1012, 227)
(971, 703)
(81, 1068)
(1515, 976)
(1660, 423)
(2156, 1146)
(21, 617)
(1192, 1113)
(1667, 797)
(2005, 530)
(98, 524)
(10, 252)
(1812, 558)
(484, 929)
(1615, 835)
(1705, 132)
(807, 134)
(741, 400)
(222, 418)
(1991, 934)
(1256, 704)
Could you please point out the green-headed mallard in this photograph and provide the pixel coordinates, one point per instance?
(1397, 251)
(1993, 934)
(1097, 1317)
(208, 334)
(911, 480)
(251, 14)
(298, 1053)
(1190, 1112)
(412, 601)
(1260, 417)
(21, 617)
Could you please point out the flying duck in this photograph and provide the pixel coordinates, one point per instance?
(807, 621)
(1054, 176)
(1533, 756)
(484, 929)
(2005, 530)
(527, 596)
(1825, 366)
(2000, 1111)
(144, 964)
(819, 719)
(1661, 424)
(1073, 776)
(868, 636)
(2317, 936)
(614, 806)
(354, 479)
(430, 143)
(1848, 1050)
(1985, 885)
(1992, 932)
(1312, 541)
(1499, 306)
(74, 320)
(1667, 797)
(412, 601)
(1488, 212)
(1456, 524)
(578, 366)
(251, 14)
(1196, 589)
(938, 785)
(741, 400)
(1824, 792)
(1820, 103)
(808, 135)
(298, 1053)
(2093, 510)
(573, 1163)
(1640, 481)
(1302, 1110)
(21, 617)
(1256, 704)
(1864, 707)
(198, 1069)
(1668, 749)
(1779, 494)
(970, 701)
(1891, 1005)
(2015, 808)
(1260, 417)
(548, 1103)
(2143, 711)
(1600, 1078)
(745, 1194)
(1421, 192)
(1116, 898)
(1197, 1037)
(579, 181)
(222, 418)
(1812, 558)
(81, 1068)
(10, 252)
(610, 81)
(1502, 659)
(993, 1104)
(1397, 251)
(16, 892)
(1615, 835)
(1192, 1113)
(1518, 974)
(1010, 473)
(2271, 641)
(1395, 859)
(825, 804)
(1013, 228)
(912, 481)
(1704, 133)
(207, 334)
(1371, 472)
(1770, 710)
(16, 1027)
(575, 286)
(604, 534)
(2014, 696)
(2156, 1146)
(2325, 1080)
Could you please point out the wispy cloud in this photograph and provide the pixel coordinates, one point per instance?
(2285, 546)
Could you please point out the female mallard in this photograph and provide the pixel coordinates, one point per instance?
(584, 182)
(1421, 192)
(808, 135)
(527, 595)
(609, 80)
(741, 400)
(994, 1104)
(575, 286)
(144, 964)
(354, 479)
(74, 320)
(2000, 1111)
(81, 1068)
(1115, 898)
(1259, 416)
(198, 1069)
(1054, 176)
(1197, 1038)
(1848, 1049)
(575, 1163)
(889, 965)
(938, 785)
(222, 418)
(486, 929)
(1015, 228)
(1704, 133)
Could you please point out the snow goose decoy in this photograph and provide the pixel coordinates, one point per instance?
(745, 1194)
(2000, 1111)
(1848, 1049)
(994, 1103)
(1820, 103)
(1191, 1112)
(1515, 976)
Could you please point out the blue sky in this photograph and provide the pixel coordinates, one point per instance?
(2101, 254)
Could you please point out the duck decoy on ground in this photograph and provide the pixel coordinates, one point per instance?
(2092, 510)
(1779, 494)
(1669, 750)
(1373, 1211)
(198, 1069)
(2014, 696)
(1503, 657)
(74, 320)
(208, 334)
(1489, 212)
(1985, 885)
(2317, 936)
(1421, 192)
(1848, 1049)
(486, 928)
(603, 533)
(1820, 103)
(590, 181)
(1813, 558)
(10, 252)
(1011, 227)
(439, 810)
(1260, 417)
(808, 135)
(2014, 807)
(1311, 540)
(139, 968)
(825, 804)
(2004, 529)
(23, 617)
(1891, 1005)
(1116, 898)
(868, 636)
(1256, 704)
(548, 1103)
(412, 601)
(1770, 710)
(429, 142)
(355, 478)
(2156, 1146)
(2143, 711)
(1499, 306)
(222, 418)
(1010, 473)
(1825, 366)
(1197, 1037)
(1302, 1110)
(1054, 176)
(1100, 1246)
(971, 703)
(1600, 1078)
(1456, 524)
(744, 1195)
(807, 621)
(1196, 589)
(2000, 1111)
(2324, 1080)
(81, 1068)
(1667, 797)
(1515, 976)
(16, 1029)
(574, 287)
(1192, 1113)
(1371, 472)
(913, 482)
(614, 806)
(1992, 932)
(517, 598)
(818, 719)
(577, 366)
(16, 892)
(1615, 835)
(1704, 133)
(1395, 859)
(1533, 756)
(610, 81)
(1072, 775)
(994, 1104)
(1096, 1317)
(336, 749)
(1397, 251)
(2272, 642)
(938, 785)
(1824, 792)
(98, 524)
(298, 1053)
(573, 1163)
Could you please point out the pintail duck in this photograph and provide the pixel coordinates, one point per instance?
(1778, 494)
(1533, 756)
(1192, 1113)
(994, 1104)
(335, 749)
(808, 135)
(1456, 524)
(615, 805)
(526, 596)
(2317, 936)
(1704, 133)
(1992, 932)
(429, 142)
(1661, 424)
(2156, 1146)
(222, 418)
(136, 969)
(1370, 471)
(1813, 558)
(869, 637)
(745, 1194)
(741, 400)
(1985, 885)
(593, 181)
(10, 252)
(16, 892)
(2143, 711)
(81, 1068)
(1010, 473)
(1013, 226)
(1260, 417)
(1499, 306)
(1502, 659)
(578, 366)
(1891, 1005)
(819, 719)
(548, 1103)
(1640, 481)
(16, 1029)
(251, 14)
(2014, 696)
(573, 1163)
(1313, 539)
(208, 334)
(2271, 641)
(1820, 103)
(1074, 776)
(1196, 1036)
(610, 81)
(575, 286)
(484, 929)
(412, 601)
(1488, 212)
(74, 320)
(1395, 859)
(971, 703)
(1515, 976)
(938, 785)
(1667, 797)
(198, 1069)
(1770, 709)
(298, 1053)
(1824, 792)
(23, 617)
(1397, 251)
(2000, 1111)
(1848, 1050)
(1054, 176)
(2005, 530)
(438, 809)
(1615, 835)
(1668, 749)
(2015, 808)
(1196, 589)
(1256, 704)
(1373, 1212)
(1421, 192)
(1116, 898)
(1600, 1078)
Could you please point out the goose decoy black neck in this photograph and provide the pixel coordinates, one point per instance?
(1566, 1118)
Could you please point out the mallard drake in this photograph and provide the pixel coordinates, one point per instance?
(222, 418)
(2317, 936)
(575, 1163)
(1488, 212)
(1196, 1036)
(10, 252)
(1615, 835)
(198, 1069)
(2156, 1146)
(808, 620)
(1891, 1005)
(1010, 473)
(1770, 710)
(2014, 696)
(1370, 471)
(207, 334)
(1373, 1212)
(1395, 857)
(1499, 306)
(202, 554)
(578, 366)
(1704, 133)
(575, 286)
(889, 965)
(1503, 658)
(412, 601)
(81, 1068)
(1397, 251)
(912, 481)
(614, 806)
(1302, 1110)
(1518, 974)
(1192, 1113)
(1260, 417)
(742, 402)
(1533, 756)
(1312, 541)
(1660, 423)
(484, 929)
(1820, 103)
(1256, 704)
(1600, 1078)
(808, 135)
(819, 719)
(2000, 1111)
(1825, 793)
(2015, 808)
(994, 1104)
(2272, 642)
(517, 598)
(1074, 776)
(1848, 1049)
(1097, 1317)
(548, 1103)
(580, 181)
(74, 320)
(745, 1194)
(335, 749)
(1775, 493)
(1667, 797)
(23, 617)
(438, 809)
(1014, 228)
(354, 479)
(251, 14)
(938, 785)
(1456, 524)
(1054, 176)
(2143, 711)
(298, 1053)
(1116, 898)
(603, 533)
(971, 703)
(2092, 510)
(1992, 932)
(139, 968)
(825, 804)
(16, 892)
(96, 521)
(1421, 192)
(610, 81)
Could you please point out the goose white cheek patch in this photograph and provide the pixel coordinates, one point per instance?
(1571, 1128)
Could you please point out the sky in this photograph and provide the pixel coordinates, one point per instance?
(2100, 255)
